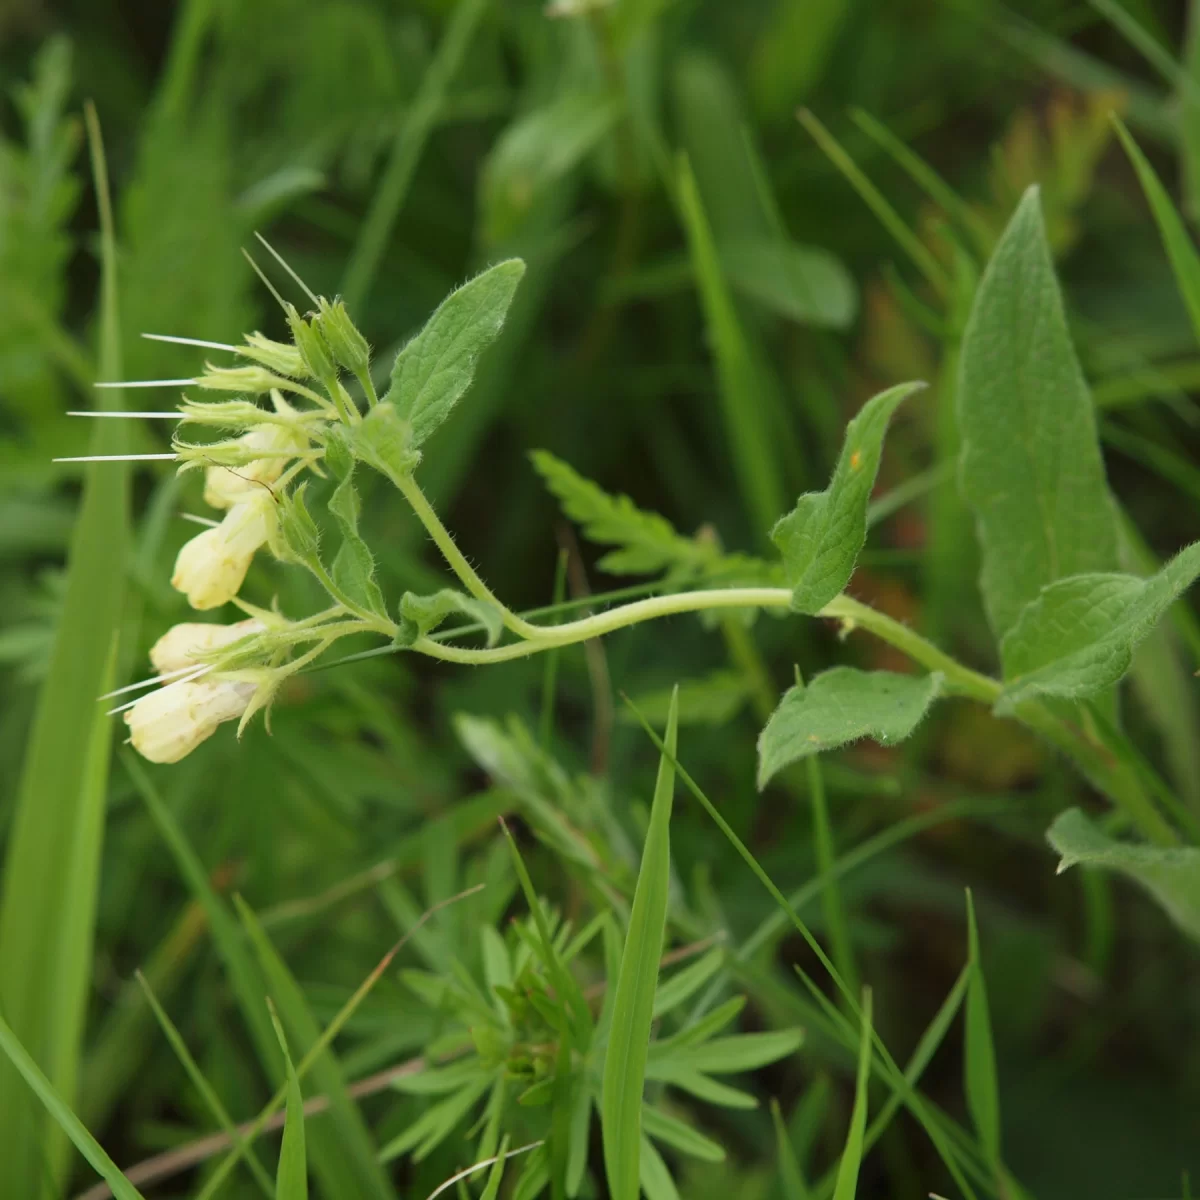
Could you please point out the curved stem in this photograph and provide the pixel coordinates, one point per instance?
(458, 564)
(606, 622)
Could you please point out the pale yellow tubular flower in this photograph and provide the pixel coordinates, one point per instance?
(211, 567)
(171, 722)
(178, 648)
(225, 486)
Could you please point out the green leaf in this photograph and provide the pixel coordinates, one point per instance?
(633, 1006)
(1171, 875)
(58, 1108)
(653, 1175)
(673, 1132)
(847, 1176)
(384, 440)
(686, 1079)
(291, 1177)
(434, 370)
(979, 1059)
(353, 570)
(802, 283)
(299, 533)
(1181, 251)
(662, 1050)
(577, 1148)
(791, 1177)
(56, 819)
(535, 152)
(435, 1124)
(741, 1052)
(496, 1174)
(420, 615)
(647, 542)
(676, 990)
(839, 706)
(821, 537)
(1077, 638)
(745, 384)
(1030, 463)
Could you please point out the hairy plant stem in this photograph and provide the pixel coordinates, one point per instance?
(1096, 762)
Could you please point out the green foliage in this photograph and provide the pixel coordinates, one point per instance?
(704, 303)
(1031, 468)
(435, 369)
(1169, 875)
(821, 538)
(1078, 637)
(633, 1002)
(840, 706)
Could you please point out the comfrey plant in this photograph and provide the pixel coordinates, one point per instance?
(1066, 619)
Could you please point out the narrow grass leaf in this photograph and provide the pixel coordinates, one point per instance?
(52, 857)
(847, 1176)
(419, 120)
(344, 1156)
(791, 1177)
(741, 1052)
(681, 986)
(1171, 875)
(435, 369)
(689, 1080)
(1030, 462)
(291, 1176)
(840, 706)
(680, 1136)
(979, 1058)
(211, 1100)
(633, 1005)
(821, 537)
(741, 374)
(1078, 636)
(653, 1174)
(1181, 250)
(60, 1111)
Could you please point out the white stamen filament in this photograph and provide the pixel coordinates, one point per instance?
(174, 683)
(199, 520)
(117, 458)
(185, 341)
(157, 416)
(148, 383)
(145, 683)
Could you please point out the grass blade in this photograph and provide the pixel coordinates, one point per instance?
(1185, 262)
(633, 1007)
(406, 152)
(847, 1176)
(347, 1160)
(291, 1178)
(58, 1108)
(741, 374)
(211, 1100)
(48, 904)
(980, 1056)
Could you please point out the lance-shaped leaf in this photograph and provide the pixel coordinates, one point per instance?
(1078, 636)
(633, 1003)
(1030, 462)
(354, 565)
(821, 537)
(840, 706)
(420, 615)
(434, 370)
(1170, 875)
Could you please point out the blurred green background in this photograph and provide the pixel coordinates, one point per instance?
(389, 150)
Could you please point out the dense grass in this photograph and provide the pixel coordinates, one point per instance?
(739, 221)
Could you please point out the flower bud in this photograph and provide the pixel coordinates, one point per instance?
(252, 380)
(171, 722)
(224, 486)
(181, 645)
(211, 567)
(312, 348)
(349, 346)
(278, 356)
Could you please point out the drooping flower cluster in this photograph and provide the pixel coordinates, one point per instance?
(246, 475)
